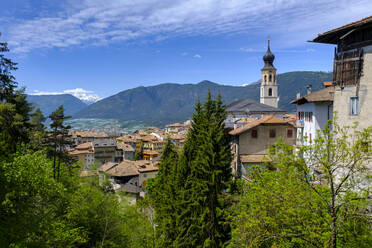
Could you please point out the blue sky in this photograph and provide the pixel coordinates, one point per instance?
(98, 48)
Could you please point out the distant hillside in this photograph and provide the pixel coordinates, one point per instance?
(166, 103)
(49, 103)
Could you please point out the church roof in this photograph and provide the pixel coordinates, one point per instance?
(268, 58)
(251, 107)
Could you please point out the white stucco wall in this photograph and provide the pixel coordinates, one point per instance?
(322, 112)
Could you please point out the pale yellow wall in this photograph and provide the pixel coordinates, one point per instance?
(342, 98)
(261, 144)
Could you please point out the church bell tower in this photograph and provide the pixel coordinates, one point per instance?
(269, 88)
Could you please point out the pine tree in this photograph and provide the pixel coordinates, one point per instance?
(59, 137)
(205, 167)
(7, 80)
(38, 133)
(37, 120)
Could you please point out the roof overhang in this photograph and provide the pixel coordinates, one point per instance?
(333, 36)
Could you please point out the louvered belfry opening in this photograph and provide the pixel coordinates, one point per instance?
(348, 68)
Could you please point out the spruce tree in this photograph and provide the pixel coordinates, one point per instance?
(205, 167)
(164, 196)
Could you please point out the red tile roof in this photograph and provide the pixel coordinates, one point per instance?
(264, 120)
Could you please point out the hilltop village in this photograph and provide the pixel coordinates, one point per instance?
(130, 159)
(242, 174)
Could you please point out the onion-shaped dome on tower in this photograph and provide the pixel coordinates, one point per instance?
(269, 57)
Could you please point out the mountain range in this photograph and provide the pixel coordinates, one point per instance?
(166, 103)
(49, 103)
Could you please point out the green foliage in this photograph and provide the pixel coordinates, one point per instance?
(38, 211)
(37, 120)
(14, 121)
(318, 200)
(58, 140)
(99, 215)
(29, 197)
(166, 103)
(7, 80)
(163, 190)
(202, 179)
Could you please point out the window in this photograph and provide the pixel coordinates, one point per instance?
(348, 67)
(272, 133)
(254, 133)
(289, 133)
(270, 78)
(354, 105)
(300, 115)
(265, 78)
(270, 92)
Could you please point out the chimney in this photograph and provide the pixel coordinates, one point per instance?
(298, 95)
(327, 84)
(309, 87)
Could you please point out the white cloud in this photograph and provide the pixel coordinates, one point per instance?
(82, 94)
(96, 22)
(184, 54)
(197, 56)
(250, 50)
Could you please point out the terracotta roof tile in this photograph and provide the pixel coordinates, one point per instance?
(107, 166)
(92, 134)
(125, 147)
(269, 119)
(84, 146)
(125, 168)
(327, 84)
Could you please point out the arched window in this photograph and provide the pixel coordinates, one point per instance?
(265, 78)
(274, 79)
(270, 78)
(270, 92)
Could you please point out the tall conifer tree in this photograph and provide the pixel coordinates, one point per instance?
(58, 139)
(164, 195)
(205, 169)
